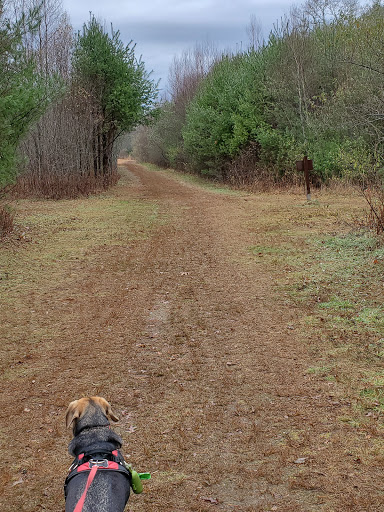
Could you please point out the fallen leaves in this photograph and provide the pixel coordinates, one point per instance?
(214, 501)
(300, 460)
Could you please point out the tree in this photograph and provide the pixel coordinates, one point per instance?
(108, 74)
(255, 33)
(162, 142)
(49, 149)
(315, 87)
(23, 94)
(226, 113)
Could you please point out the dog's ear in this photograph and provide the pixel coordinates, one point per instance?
(75, 410)
(106, 407)
(72, 413)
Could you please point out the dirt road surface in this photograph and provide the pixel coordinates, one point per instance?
(196, 349)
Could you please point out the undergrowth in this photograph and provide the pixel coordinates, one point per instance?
(375, 217)
(61, 186)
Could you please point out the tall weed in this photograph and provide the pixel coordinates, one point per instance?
(375, 218)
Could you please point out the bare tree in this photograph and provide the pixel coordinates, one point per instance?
(255, 33)
(188, 69)
(322, 12)
(50, 149)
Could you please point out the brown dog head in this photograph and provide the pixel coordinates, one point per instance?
(91, 410)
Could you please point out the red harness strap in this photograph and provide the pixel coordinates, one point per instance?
(91, 476)
(92, 467)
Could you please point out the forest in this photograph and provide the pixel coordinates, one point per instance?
(65, 99)
(313, 87)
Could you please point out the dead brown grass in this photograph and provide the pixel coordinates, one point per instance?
(61, 186)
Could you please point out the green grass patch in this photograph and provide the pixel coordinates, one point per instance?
(343, 286)
(259, 250)
(338, 304)
(321, 371)
(372, 398)
(199, 181)
(372, 317)
(340, 278)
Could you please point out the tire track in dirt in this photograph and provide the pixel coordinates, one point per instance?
(195, 349)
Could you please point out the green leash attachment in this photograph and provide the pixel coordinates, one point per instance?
(136, 478)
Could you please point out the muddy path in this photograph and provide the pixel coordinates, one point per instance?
(197, 351)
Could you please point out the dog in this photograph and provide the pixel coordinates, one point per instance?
(98, 480)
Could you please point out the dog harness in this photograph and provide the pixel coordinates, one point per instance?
(84, 463)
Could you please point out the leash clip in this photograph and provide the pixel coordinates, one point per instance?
(99, 463)
(73, 466)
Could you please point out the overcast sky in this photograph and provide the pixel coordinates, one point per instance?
(162, 29)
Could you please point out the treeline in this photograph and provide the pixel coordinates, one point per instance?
(314, 87)
(65, 99)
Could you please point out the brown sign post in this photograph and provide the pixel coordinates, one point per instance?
(306, 166)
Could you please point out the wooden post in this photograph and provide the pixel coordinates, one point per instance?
(306, 166)
(306, 174)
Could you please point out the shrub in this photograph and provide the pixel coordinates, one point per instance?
(347, 159)
(225, 114)
(375, 199)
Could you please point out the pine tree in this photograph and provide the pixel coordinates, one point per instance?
(23, 95)
(120, 88)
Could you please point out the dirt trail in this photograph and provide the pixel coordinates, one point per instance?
(199, 355)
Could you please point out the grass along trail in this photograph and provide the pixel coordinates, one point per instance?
(239, 380)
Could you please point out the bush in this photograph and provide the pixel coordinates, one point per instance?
(280, 151)
(225, 114)
(349, 160)
(375, 199)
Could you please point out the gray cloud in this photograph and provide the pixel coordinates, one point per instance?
(162, 29)
(160, 42)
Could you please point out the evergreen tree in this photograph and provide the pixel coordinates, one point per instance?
(23, 95)
(107, 72)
